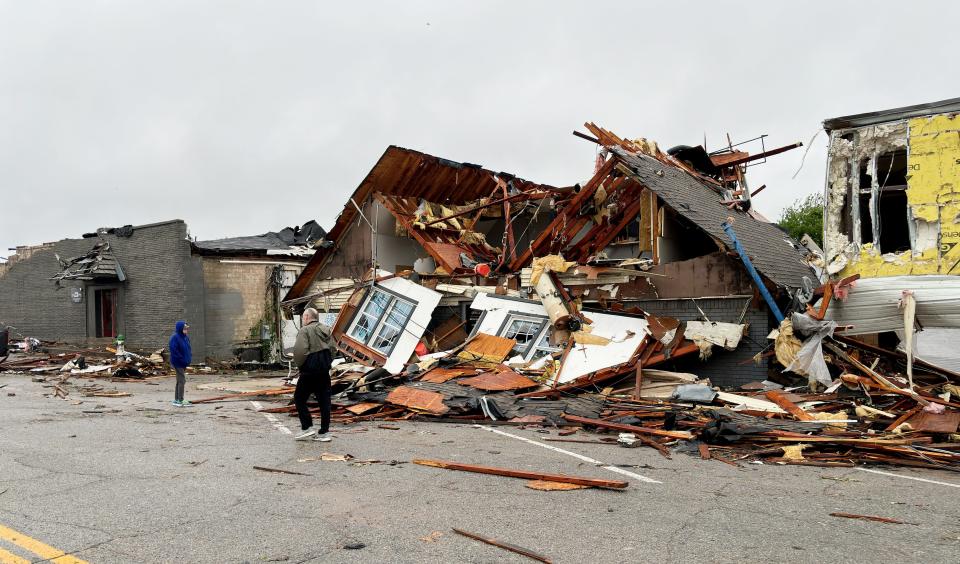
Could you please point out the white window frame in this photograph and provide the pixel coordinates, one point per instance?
(382, 321)
(535, 345)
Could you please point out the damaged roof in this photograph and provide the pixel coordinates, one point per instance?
(407, 173)
(951, 105)
(287, 241)
(772, 251)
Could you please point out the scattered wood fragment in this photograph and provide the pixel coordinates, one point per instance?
(279, 471)
(499, 381)
(779, 398)
(388, 427)
(268, 392)
(594, 482)
(361, 408)
(545, 486)
(704, 451)
(631, 428)
(870, 518)
(506, 546)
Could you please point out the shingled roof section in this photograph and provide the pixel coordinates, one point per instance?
(775, 254)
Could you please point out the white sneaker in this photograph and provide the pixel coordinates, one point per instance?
(324, 438)
(305, 434)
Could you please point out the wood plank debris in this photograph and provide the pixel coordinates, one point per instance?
(418, 400)
(870, 518)
(279, 471)
(506, 546)
(525, 474)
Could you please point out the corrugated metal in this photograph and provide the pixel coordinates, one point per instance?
(873, 303)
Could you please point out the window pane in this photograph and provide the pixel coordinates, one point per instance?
(385, 339)
(363, 327)
(522, 330)
(377, 303)
(400, 313)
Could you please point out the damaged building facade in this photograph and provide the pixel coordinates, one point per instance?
(892, 218)
(136, 281)
(637, 263)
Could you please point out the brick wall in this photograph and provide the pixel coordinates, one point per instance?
(235, 298)
(151, 300)
(724, 368)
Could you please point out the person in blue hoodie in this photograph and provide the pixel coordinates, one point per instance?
(180, 357)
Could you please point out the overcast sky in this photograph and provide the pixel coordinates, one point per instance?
(245, 117)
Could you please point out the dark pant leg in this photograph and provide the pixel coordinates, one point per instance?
(301, 394)
(323, 395)
(181, 383)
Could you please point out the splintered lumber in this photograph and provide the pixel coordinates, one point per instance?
(545, 486)
(847, 441)
(870, 518)
(779, 398)
(506, 546)
(629, 428)
(526, 475)
(361, 408)
(704, 451)
(268, 392)
(419, 400)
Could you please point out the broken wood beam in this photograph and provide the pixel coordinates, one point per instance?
(527, 475)
(268, 392)
(870, 518)
(279, 471)
(506, 546)
(686, 435)
(779, 398)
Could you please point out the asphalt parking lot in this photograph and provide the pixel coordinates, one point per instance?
(137, 479)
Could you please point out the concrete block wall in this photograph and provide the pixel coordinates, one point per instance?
(724, 368)
(152, 299)
(235, 299)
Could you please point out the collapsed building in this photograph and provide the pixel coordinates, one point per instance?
(892, 219)
(429, 251)
(134, 282)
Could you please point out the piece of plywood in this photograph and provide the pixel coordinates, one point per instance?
(441, 375)
(489, 348)
(418, 400)
(946, 422)
(361, 408)
(498, 381)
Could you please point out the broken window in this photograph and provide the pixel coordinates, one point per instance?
(381, 320)
(531, 332)
(105, 312)
(893, 222)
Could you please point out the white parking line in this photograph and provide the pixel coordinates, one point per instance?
(273, 419)
(908, 477)
(603, 465)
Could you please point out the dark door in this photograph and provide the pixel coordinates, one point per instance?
(105, 304)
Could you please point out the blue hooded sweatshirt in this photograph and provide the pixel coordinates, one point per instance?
(180, 355)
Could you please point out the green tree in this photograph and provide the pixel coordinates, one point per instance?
(804, 216)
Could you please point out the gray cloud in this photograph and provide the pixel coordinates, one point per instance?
(243, 117)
